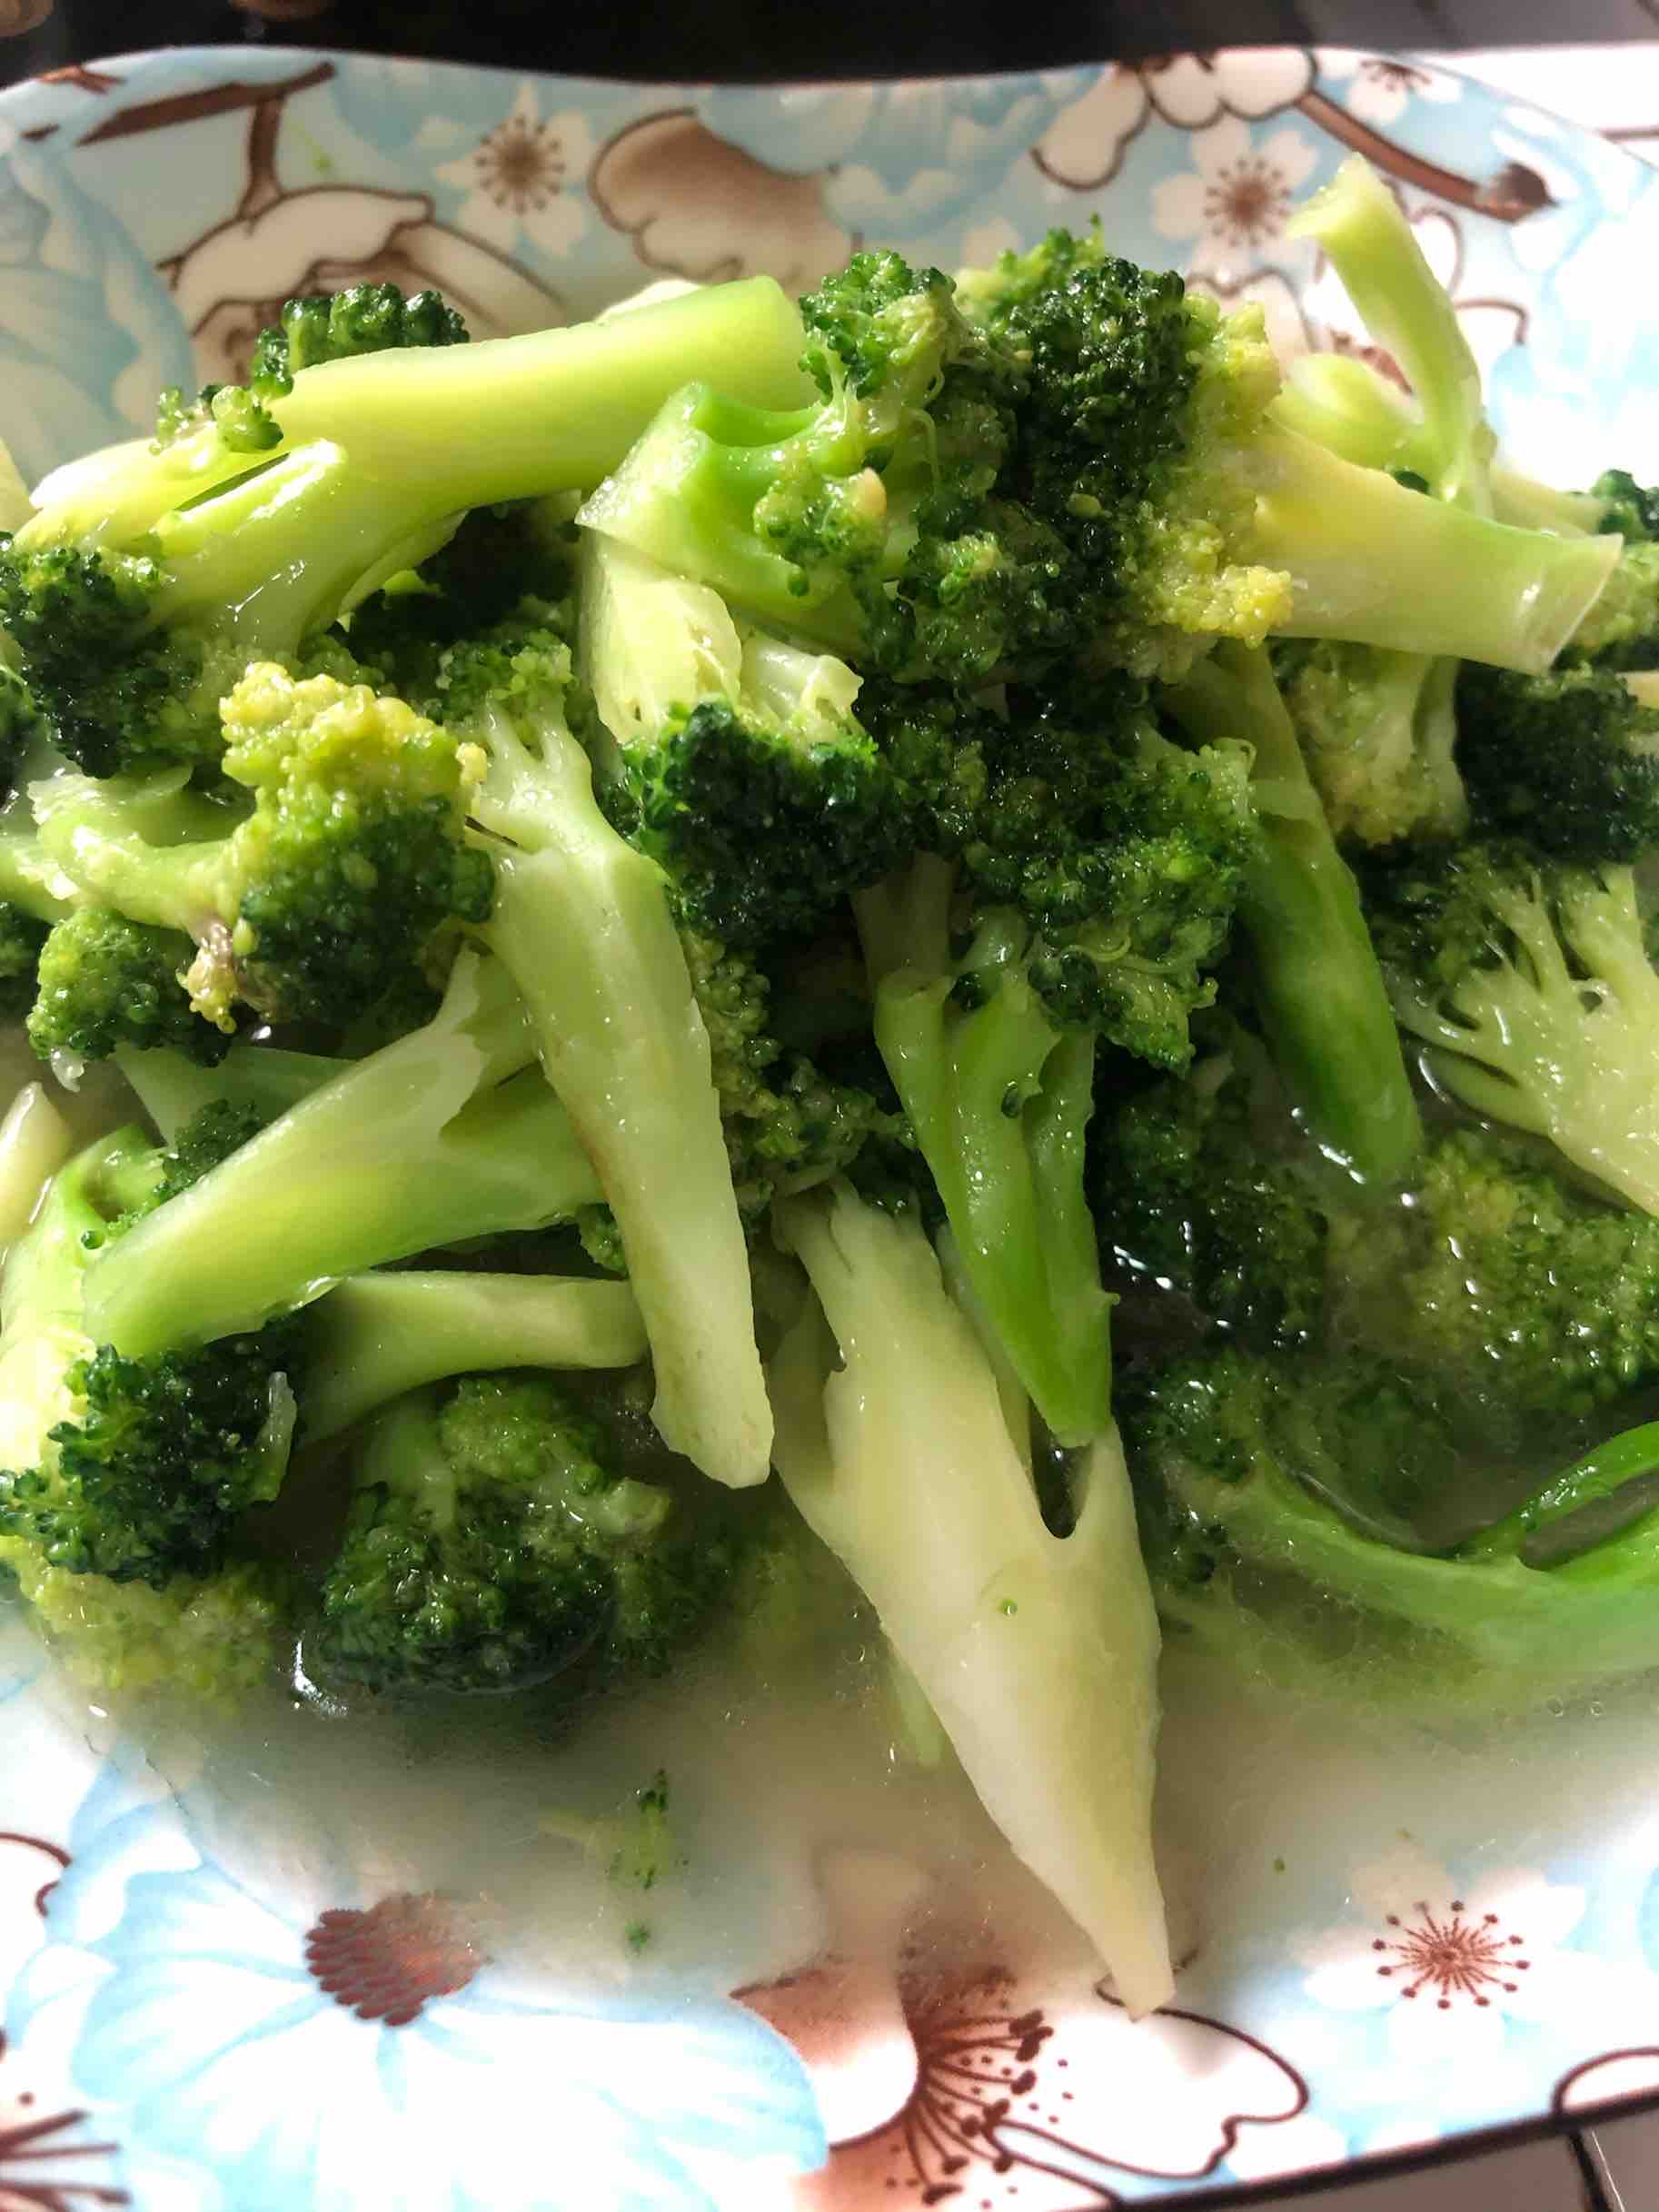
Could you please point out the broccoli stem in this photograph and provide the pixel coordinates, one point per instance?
(1356, 223)
(999, 1101)
(1377, 564)
(1341, 402)
(553, 411)
(264, 1077)
(34, 1142)
(1038, 1653)
(1320, 990)
(378, 1336)
(444, 1135)
(623, 1046)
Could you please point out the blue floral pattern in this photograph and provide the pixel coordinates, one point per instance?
(325, 2040)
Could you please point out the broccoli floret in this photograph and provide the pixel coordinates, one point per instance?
(1094, 890)
(1503, 1280)
(1189, 1200)
(151, 577)
(1312, 969)
(1531, 988)
(361, 318)
(135, 1470)
(1569, 761)
(1079, 465)
(22, 940)
(788, 1125)
(103, 981)
(744, 773)
(1378, 733)
(494, 1543)
(1279, 1513)
(616, 1027)
(1038, 1652)
(305, 908)
(448, 1135)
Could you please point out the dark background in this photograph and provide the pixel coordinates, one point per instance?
(734, 39)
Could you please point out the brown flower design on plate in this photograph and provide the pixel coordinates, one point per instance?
(696, 206)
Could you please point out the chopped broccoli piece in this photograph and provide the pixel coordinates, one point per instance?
(494, 1543)
(1038, 1652)
(447, 1135)
(1568, 761)
(103, 982)
(352, 858)
(745, 775)
(151, 577)
(1379, 733)
(617, 1030)
(1313, 971)
(1531, 987)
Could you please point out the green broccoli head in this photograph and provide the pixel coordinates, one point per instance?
(1569, 761)
(1189, 1198)
(1529, 985)
(131, 1469)
(1377, 731)
(788, 1125)
(1497, 1272)
(22, 938)
(494, 1543)
(310, 906)
(361, 318)
(103, 981)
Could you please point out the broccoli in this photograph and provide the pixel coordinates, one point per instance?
(786, 1122)
(1038, 1652)
(1071, 459)
(1280, 1514)
(1505, 1280)
(102, 982)
(1191, 1195)
(616, 1027)
(351, 859)
(1622, 629)
(448, 1133)
(1096, 891)
(1568, 761)
(1377, 726)
(494, 1543)
(743, 771)
(1379, 732)
(1530, 985)
(377, 1335)
(1318, 990)
(152, 576)
(135, 1470)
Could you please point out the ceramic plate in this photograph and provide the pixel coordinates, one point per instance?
(1387, 1942)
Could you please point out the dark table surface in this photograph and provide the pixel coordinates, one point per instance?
(735, 39)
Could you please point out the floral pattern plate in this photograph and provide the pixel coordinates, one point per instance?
(1388, 1941)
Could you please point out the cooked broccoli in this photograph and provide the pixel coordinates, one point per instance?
(450, 1133)
(1505, 1280)
(152, 576)
(103, 982)
(1094, 893)
(1193, 1195)
(788, 1125)
(1280, 1512)
(1568, 761)
(1531, 987)
(494, 1543)
(1312, 969)
(1072, 458)
(305, 909)
(1378, 731)
(744, 773)
(135, 1470)
(1038, 1652)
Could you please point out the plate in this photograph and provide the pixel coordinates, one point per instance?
(1389, 1941)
